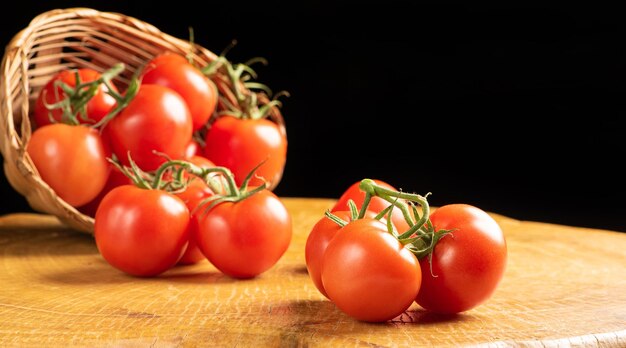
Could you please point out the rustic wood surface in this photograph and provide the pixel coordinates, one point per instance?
(564, 286)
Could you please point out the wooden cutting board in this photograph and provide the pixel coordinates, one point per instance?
(564, 286)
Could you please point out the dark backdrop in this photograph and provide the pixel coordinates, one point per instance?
(515, 109)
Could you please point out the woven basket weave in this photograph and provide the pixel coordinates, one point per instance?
(77, 38)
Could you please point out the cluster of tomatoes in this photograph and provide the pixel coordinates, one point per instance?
(374, 254)
(139, 162)
(171, 181)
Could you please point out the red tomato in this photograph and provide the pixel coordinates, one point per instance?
(368, 274)
(246, 238)
(97, 108)
(116, 178)
(192, 149)
(242, 144)
(377, 204)
(195, 193)
(71, 160)
(468, 264)
(174, 71)
(317, 242)
(141, 232)
(157, 119)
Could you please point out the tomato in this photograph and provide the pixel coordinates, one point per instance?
(71, 160)
(141, 232)
(157, 119)
(174, 71)
(242, 144)
(368, 274)
(245, 238)
(192, 149)
(317, 242)
(97, 108)
(193, 195)
(467, 265)
(376, 204)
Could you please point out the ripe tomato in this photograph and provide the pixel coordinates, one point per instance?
(116, 178)
(97, 107)
(193, 195)
(245, 238)
(242, 144)
(368, 274)
(468, 264)
(141, 232)
(192, 149)
(157, 119)
(71, 160)
(174, 71)
(376, 204)
(317, 242)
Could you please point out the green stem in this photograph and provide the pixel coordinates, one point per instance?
(336, 219)
(202, 173)
(365, 205)
(354, 212)
(368, 185)
(122, 101)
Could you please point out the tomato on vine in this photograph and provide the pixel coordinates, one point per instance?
(155, 124)
(196, 192)
(375, 204)
(70, 154)
(174, 71)
(317, 242)
(368, 273)
(368, 268)
(243, 135)
(243, 232)
(142, 232)
(465, 267)
(74, 87)
(241, 144)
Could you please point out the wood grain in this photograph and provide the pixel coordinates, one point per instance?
(564, 286)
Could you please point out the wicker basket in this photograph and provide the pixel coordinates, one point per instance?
(76, 38)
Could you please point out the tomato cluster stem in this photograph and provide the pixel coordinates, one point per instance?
(421, 237)
(74, 105)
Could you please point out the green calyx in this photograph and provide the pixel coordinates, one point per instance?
(219, 179)
(74, 100)
(244, 103)
(421, 237)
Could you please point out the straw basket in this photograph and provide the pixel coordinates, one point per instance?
(77, 38)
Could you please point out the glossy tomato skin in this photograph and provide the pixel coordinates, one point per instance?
(174, 71)
(131, 239)
(197, 191)
(468, 264)
(242, 144)
(192, 149)
(157, 119)
(368, 274)
(97, 107)
(71, 160)
(317, 242)
(246, 238)
(376, 204)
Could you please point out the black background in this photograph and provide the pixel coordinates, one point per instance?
(515, 109)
